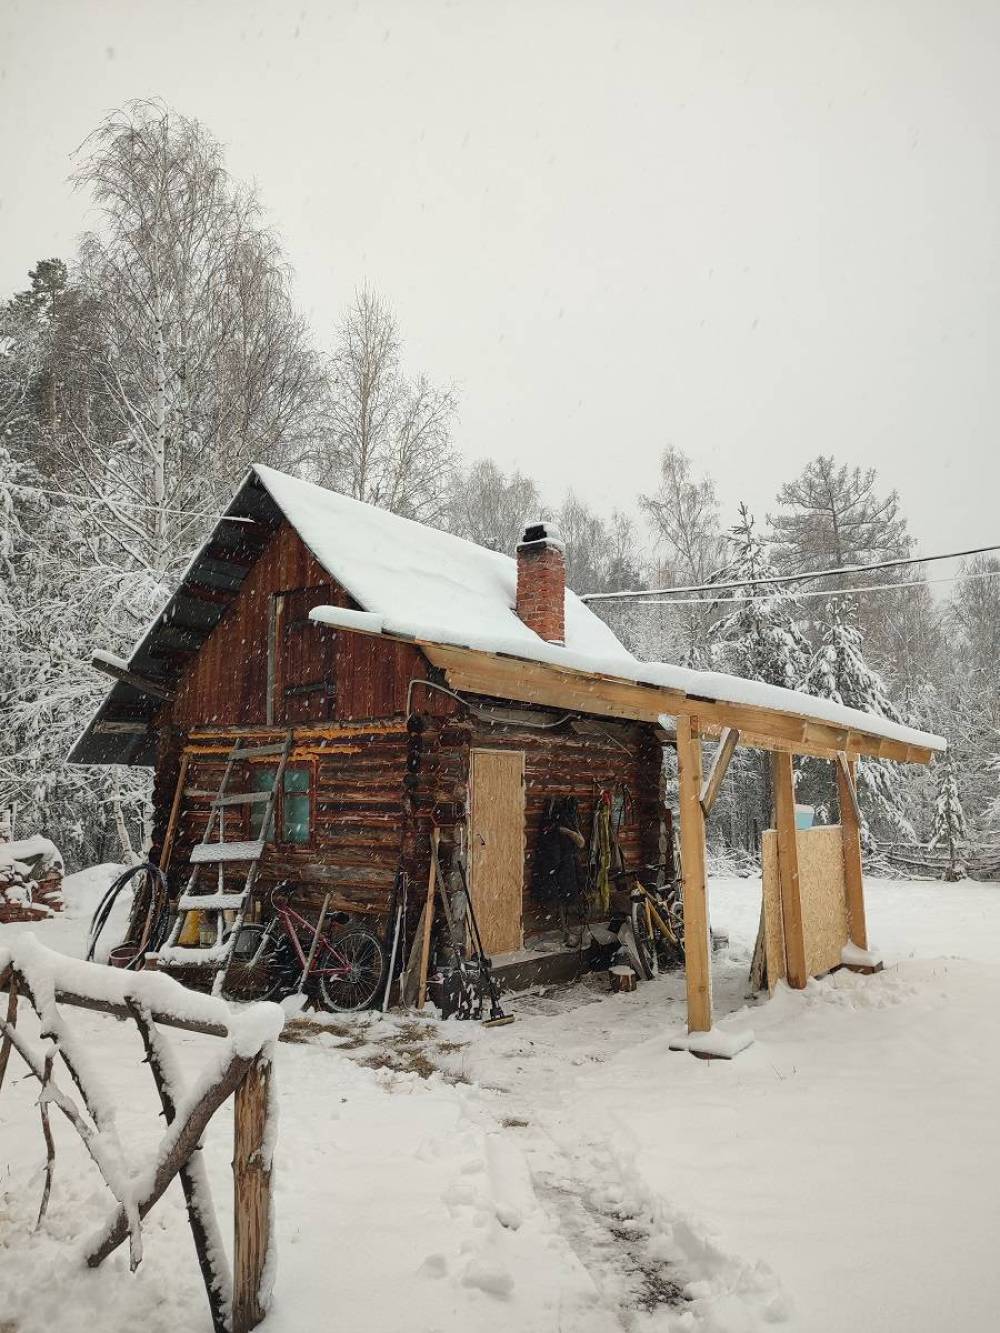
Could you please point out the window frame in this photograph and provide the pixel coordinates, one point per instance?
(308, 766)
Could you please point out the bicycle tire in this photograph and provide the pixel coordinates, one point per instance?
(645, 948)
(267, 974)
(364, 955)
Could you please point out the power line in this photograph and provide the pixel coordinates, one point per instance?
(832, 593)
(772, 579)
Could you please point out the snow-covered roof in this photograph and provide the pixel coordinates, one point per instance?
(395, 567)
(388, 564)
(413, 581)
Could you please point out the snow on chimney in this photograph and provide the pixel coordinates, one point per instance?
(541, 581)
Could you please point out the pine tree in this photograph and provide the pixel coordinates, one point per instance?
(840, 673)
(949, 817)
(759, 638)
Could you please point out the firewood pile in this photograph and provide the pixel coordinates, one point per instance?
(31, 880)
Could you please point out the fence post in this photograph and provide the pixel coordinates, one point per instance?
(252, 1201)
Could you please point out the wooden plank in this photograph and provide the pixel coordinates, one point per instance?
(109, 727)
(175, 809)
(697, 953)
(611, 696)
(496, 843)
(850, 832)
(428, 920)
(252, 1195)
(720, 764)
(158, 689)
(848, 789)
(211, 853)
(788, 870)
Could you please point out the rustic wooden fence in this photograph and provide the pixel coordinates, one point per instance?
(244, 1070)
(921, 862)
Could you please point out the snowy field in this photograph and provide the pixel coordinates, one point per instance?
(570, 1173)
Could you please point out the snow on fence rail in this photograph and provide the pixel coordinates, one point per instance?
(242, 1068)
(915, 858)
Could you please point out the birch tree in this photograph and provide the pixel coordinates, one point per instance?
(491, 507)
(150, 373)
(387, 438)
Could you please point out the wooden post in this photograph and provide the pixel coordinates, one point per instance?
(251, 1195)
(167, 850)
(9, 979)
(850, 833)
(697, 954)
(428, 921)
(788, 870)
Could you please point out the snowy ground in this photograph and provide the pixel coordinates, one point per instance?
(570, 1173)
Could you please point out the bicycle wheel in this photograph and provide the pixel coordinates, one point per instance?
(263, 961)
(644, 944)
(350, 970)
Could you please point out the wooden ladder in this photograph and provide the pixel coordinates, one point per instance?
(215, 850)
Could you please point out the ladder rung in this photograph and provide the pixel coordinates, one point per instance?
(259, 751)
(181, 956)
(209, 853)
(242, 798)
(211, 902)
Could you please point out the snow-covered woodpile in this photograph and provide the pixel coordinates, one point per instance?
(31, 877)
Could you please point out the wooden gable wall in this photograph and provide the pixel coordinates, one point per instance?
(226, 685)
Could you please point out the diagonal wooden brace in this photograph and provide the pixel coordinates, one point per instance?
(176, 1147)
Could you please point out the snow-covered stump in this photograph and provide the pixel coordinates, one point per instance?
(242, 1069)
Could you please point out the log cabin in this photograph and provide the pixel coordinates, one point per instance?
(401, 679)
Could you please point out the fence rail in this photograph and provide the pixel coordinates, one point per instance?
(932, 862)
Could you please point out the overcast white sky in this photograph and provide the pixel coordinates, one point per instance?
(756, 230)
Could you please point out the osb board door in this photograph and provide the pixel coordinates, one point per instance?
(496, 847)
(822, 892)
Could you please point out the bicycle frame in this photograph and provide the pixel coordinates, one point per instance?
(284, 920)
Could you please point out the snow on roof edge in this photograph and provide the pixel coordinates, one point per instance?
(713, 685)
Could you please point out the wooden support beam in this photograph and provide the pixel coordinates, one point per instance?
(697, 952)
(175, 809)
(788, 870)
(428, 921)
(727, 744)
(850, 832)
(506, 676)
(847, 789)
(252, 1201)
(142, 683)
(9, 979)
(176, 1146)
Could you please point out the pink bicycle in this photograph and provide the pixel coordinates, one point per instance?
(341, 970)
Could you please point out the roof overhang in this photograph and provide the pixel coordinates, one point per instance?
(121, 730)
(508, 676)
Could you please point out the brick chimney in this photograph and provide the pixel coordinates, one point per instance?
(541, 581)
